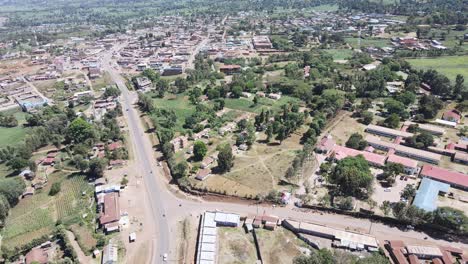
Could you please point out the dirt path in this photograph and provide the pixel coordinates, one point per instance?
(82, 258)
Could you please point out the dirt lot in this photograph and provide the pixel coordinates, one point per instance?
(256, 171)
(343, 127)
(235, 246)
(280, 246)
(454, 203)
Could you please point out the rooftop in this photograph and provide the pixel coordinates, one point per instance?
(426, 196)
(445, 175)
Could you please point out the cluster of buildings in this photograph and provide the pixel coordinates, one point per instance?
(411, 43)
(416, 254)
(416, 162)
(15, 92)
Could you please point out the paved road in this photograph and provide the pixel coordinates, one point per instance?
(144, 156)
(167, 208)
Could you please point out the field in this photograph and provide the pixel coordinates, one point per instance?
(279, 246)
(353, 42)
(14, 135)
(246, 104)
(179, 104)
(256, 171)
(340, 54)
(235, 246)
(448, 65)
(37, 215)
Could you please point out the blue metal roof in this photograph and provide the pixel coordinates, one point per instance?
(426, 196)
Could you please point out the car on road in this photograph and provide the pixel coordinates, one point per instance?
(165, 257)
(387, 190)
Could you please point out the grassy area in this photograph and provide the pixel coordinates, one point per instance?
(37, 215)
(179, 104)
(354, 42)
(13, 135)
(448, 65)
(340, 54)
(246, 104)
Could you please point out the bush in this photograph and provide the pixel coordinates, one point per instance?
(56, 186)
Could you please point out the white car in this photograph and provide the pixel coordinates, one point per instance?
(165, 257)
(387, 190)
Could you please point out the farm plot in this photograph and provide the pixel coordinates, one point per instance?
(37, 215)
(71, 202)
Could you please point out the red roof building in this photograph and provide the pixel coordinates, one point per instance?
(452, 116)
(111, 209)
(410, 166)
(37, 255)
(373, 159)
(114, 145)
(455, 179)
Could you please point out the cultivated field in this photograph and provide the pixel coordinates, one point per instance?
(447, 65)
(36, 215)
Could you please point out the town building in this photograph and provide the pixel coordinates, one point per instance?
(455, 179)
(452, 116)
(110, 215)
(387, 132)
(404, 151)
(428, 191)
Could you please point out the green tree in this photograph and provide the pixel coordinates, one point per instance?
(199, 150)
(225, 158)
(80, 130)
(97, 167)
(321, 256)
(356, 141)
(17, 163)
(386, 207)
(180, 170)
(145, 102)
(391, 171)
(451, 218)
(459, 86)
(422, 140)
(352, 176)
(12, 189)
(4, 208)
(367, 117)
(55, 188)
(392, 121)
(408, 192)
(111, 91)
